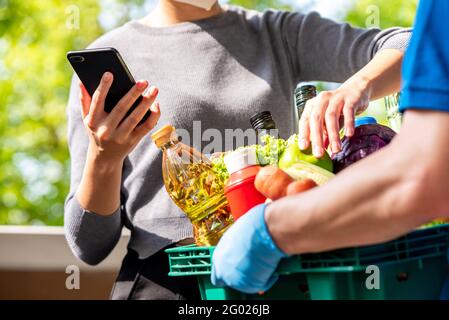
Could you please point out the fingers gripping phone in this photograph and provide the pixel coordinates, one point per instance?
(91, 64)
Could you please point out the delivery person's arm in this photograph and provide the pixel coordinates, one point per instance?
(387, 194)
(377, 199)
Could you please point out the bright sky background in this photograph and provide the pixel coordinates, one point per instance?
(334, 9)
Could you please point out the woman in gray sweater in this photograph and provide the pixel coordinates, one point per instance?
(213, 66)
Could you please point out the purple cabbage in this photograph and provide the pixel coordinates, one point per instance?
(366, 139)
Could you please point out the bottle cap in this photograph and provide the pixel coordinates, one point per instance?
(262, 120)
(301, 95)
(163, 135)
(360, 121)
(304, 93)
(240, 159)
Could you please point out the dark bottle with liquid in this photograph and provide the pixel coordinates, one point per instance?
(302, 95)
(263, 124)
(265, 128)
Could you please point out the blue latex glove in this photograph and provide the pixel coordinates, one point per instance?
(246, 256)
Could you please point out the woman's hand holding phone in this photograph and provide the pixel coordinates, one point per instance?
(111, 136)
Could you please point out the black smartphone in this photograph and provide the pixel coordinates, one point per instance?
(91, 64)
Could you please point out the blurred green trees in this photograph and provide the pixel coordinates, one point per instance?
(388, 13)
(391, 12)
(262, 4)
(34, 82)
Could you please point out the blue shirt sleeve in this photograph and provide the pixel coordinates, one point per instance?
(426, 62)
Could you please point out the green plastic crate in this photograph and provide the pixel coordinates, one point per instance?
(411, 267)
(196, 261)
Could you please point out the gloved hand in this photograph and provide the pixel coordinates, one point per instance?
(246, 256)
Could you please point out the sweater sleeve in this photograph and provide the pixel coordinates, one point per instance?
(323, 50)
(90, 236)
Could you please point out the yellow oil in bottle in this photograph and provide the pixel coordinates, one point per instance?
(193, 185)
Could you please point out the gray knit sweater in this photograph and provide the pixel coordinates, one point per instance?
(219, 71)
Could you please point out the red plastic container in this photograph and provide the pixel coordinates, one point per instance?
(240, 191)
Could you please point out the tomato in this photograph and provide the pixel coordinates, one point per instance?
(274, 183)
(299, 186)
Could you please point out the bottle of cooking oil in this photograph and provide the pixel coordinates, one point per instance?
(194, 186)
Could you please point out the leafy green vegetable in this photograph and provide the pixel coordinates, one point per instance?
(267, 154)
(270, 151)
(219, 167)
(433, 224)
